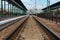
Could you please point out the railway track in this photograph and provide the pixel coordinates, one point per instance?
(31, 29)
(8, 30)
(50, 33)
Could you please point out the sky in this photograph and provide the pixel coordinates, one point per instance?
(30, 4)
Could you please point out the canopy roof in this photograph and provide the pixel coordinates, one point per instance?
(17, 3)
(54, 6)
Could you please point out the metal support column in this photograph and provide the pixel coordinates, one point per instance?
(57, 16)
(12, 9)
(1, 9)
(8, 10)
(4, 9)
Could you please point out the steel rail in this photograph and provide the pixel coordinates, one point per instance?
(57, 37)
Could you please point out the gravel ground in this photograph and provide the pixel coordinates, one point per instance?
(32, 31)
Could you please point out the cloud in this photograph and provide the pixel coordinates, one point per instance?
(53, 1)
(30, 4)
(25, 1)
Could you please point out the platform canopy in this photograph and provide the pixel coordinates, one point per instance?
(52, 7)
(17, 3)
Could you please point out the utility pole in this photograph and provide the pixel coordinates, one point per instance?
(35, 8)
(48, 8)
(48, 5)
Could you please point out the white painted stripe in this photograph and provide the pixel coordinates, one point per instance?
(9, 20)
